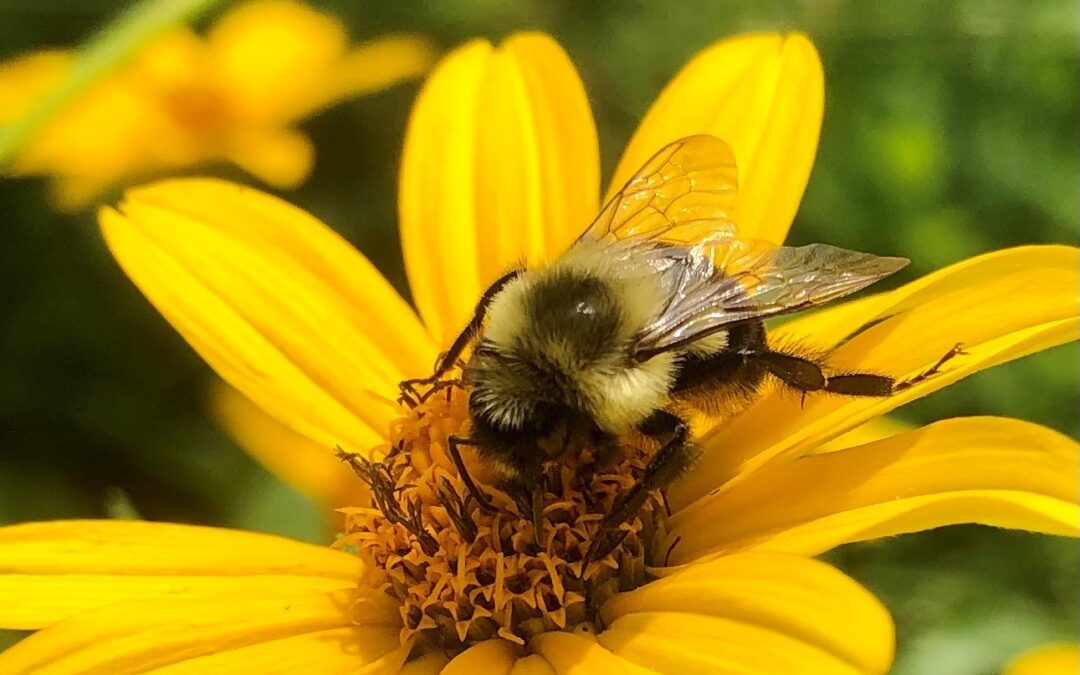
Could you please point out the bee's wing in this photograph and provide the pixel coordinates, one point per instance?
(683, 195)
(672, 219)
(711, 286)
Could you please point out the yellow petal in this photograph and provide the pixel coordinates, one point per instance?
(874, 430)
(534, 665)
(676, 642)
(141, 636)
(268, 55)
(761, 612)
(428, 664)
(143, 548)
(334, 651)
(1056, 659)
(100, 136)
(70, 194)
(491, 657)
(500, 165)
(988, 470)
(371, 67)
(49, 571)
(26, 78)
(1001, 306)
(280, 157)
(295, 459)
(36, 601)
(283, 308)
(764, 95)
(577, 655)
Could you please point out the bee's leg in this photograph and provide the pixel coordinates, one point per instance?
(449, 358)
(806, 376)
(671, 460)
(794, 371)
(455, 454)
(956, 350)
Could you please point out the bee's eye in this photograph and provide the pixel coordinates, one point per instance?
(585, 308)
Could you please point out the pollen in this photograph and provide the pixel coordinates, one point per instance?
(462, 574)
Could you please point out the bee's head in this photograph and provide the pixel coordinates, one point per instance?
(562, 321)
(543, 332)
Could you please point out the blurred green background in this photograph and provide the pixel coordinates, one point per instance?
(950, 130)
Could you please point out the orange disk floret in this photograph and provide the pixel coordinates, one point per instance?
(462, 574)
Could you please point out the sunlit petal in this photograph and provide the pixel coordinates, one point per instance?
(491, 657)
(755, 613)
(51, 570)
(874, 430)
(284, 309)
(298, 461)
(141, 636)
(500, 165)
(579, 655)
(988, 470)
(764, 95)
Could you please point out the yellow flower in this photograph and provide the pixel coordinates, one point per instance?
(501, 163)
(1055, 659)
(184, 101)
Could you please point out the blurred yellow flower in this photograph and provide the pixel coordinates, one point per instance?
(185, 101)
(501, 164)
(1054, 659)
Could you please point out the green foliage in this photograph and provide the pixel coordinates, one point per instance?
(951, 130)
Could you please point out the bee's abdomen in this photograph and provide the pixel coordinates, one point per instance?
(722, 381)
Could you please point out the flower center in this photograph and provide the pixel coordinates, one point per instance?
(199, 110)
(463, 574)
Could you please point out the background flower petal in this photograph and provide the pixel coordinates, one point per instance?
(283, 308)
(272, 57)
(279, 157)
(138, 637)
(49, 571)
(500, 165)
(764, 95)
(988, 470)
(1000, 306)
(1056, 659)
(754, 613)
(373, 66)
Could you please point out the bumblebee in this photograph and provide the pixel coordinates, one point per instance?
(657, 310)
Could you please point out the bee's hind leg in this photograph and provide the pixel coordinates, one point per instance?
(957, 350)
(806, 375)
